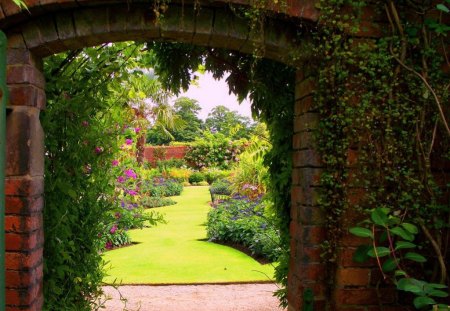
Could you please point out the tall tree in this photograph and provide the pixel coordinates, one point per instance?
(230, 123)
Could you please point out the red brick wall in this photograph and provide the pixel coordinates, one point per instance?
(170, 152)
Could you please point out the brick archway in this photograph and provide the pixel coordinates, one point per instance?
(54, 26)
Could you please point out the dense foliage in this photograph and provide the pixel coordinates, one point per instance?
(91, 172)
(384, 100)
(241, 221)
(213, 150)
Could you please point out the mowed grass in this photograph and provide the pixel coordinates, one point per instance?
(178, 252)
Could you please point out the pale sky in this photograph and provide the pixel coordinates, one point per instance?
(210, 93)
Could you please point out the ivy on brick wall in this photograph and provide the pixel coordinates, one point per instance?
(384, 100)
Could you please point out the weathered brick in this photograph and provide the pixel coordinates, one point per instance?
(311, 215)
(23, 205)
(23, 242)
(364, 296)
(25, 143)
(24, 260)
(26, 95)
(353, 277)
(24, 279)
(306, 122)
(25, 186)
(306, 159)
(178, 23)
(203, 27)
(303, 140)
(25, 74)
(305, 88)
(23, 224)
(304, 105)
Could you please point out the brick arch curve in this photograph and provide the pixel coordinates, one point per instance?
(54, 26)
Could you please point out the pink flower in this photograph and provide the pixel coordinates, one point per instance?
(137, 130)
(85, 123)
(130, 173)
(120, 179)
(113, 229)
(132, 192)
(98, 150)
(128, 141)
(115, 162)
(108, 245)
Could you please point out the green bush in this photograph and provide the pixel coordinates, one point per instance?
(221, 186)
(242, 221)
(162, 187)
(196, 177)
(164, 165)
(213, 174)
(150, 202)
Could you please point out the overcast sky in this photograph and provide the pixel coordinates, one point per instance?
(210, 93)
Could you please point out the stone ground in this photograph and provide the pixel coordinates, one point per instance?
(235, 297)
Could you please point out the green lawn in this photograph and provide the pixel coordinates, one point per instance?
(178, 253)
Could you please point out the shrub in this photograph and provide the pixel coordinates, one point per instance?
(161, 187)
(114, 238)
(242, 221)
(164, 165)
(150, 202)
(213, 174)
(179, 174)
(213, 150)
(221, 186)
(196, 177)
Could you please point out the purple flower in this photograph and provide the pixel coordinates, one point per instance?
(98, 150)
(115, 162)
(122, 203)
(130, 173)
(113, 229)
(128, 141)
(120, 179)
(137, 130)
(132, 192)
(108, 245)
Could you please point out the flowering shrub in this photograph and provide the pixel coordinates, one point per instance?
(245, 222)
(179, 174)
(150, 202)
(213, 150)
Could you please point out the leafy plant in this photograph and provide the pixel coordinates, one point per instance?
(393, 248)
(196, 177)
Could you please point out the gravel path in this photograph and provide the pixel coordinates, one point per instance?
(241, 297)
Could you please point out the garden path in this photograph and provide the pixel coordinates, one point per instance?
(233, 297)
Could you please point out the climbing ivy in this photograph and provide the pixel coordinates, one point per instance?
(382, 101)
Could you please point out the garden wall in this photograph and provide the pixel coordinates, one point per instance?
(155, 153)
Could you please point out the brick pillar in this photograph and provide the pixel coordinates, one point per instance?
(24, 179)
(306, 270)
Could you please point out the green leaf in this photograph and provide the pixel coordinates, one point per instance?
(402, 233)
(381, 251)
(360, 254)
(361, 232)
(379, 217)
(410, 285)
(443, 8)
(400, 273)
(403, 245)
(423, 301)
(435, 285)
(410, 228)
(438, 293)
(415, 257)
(389, 265)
